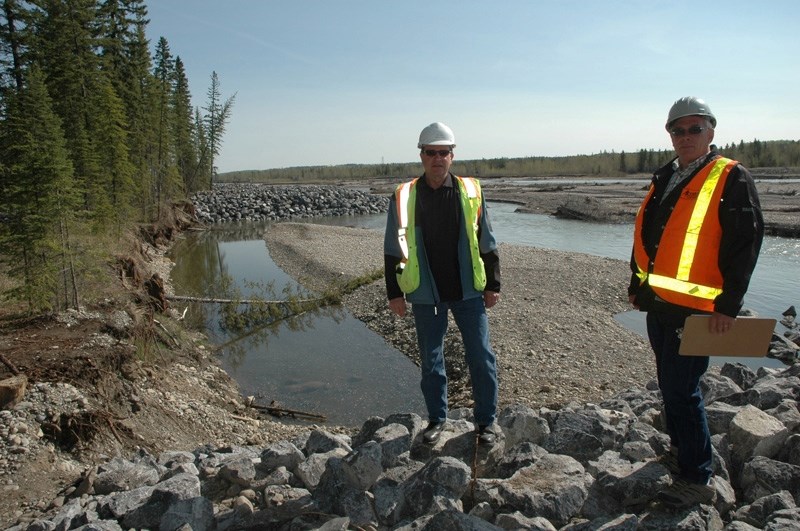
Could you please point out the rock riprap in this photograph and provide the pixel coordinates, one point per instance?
(583, 466)
(228, 203)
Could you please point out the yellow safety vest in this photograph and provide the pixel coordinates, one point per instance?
(406, 200)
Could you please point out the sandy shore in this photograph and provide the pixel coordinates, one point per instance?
(554, 333)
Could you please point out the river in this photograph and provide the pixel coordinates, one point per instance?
(330, 363)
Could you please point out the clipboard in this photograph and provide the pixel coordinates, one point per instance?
(748, 337)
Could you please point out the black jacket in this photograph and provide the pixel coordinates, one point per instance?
(742, 233)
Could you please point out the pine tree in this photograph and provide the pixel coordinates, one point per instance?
(37, 197)
(142, 116)
(185, 148)
(216, 118)
(65, 48)
(166, 175)
(202, 170)
(114, 190)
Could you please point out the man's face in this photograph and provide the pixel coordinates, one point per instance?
(437, 163)
(691, 136)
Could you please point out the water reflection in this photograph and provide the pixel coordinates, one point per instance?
(323, 361)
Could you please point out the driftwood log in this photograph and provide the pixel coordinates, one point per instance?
(277, 411)
(212, 300)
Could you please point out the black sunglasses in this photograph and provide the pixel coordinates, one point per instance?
(693, 130)
(440, 152)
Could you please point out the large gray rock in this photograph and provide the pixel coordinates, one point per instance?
(719, 415)
(755, 433)
(438, 486)
(197, 513)
(121, 475)
(393, 440)
(321, 441)
(759, 512)
(522, 424)
(310, 471)
(741, 374)
(621, 484)
(239, 469)
(763, 476)
(583, 434)
(717, 386)
(280, 454)
(554, 487)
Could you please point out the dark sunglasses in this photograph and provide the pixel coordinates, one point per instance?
(693, 130)
(440, 152)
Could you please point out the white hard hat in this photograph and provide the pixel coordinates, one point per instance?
(690, 106)
(437, 134)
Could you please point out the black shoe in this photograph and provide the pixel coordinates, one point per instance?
(486, 435)
(432, 432)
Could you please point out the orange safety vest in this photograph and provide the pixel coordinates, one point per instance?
(685, 270)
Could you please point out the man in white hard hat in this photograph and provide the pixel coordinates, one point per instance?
(697, 238)
(441, 255)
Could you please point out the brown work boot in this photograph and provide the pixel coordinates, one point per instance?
(685, 494)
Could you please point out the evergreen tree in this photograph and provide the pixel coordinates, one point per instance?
(202, 171)
(65, 47)
(216, 118)
(185, 148)
(114, 189)
(142, 116)
(166, 177)
(37, 197)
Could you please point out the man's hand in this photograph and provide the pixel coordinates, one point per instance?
(490, 298)
(398, 306)
(720, 323)
(632, 300)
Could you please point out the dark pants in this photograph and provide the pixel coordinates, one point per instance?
(684, 408)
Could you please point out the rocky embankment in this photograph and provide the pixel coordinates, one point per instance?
(260, 202)
(581, 467)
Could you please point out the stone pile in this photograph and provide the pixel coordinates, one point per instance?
(228, 203)
(582, 467)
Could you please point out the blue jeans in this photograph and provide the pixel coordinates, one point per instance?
(431, 323)
(684, 408)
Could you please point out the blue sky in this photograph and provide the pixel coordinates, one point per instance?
(349, 81)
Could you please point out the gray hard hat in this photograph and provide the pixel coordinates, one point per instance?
(690, 106)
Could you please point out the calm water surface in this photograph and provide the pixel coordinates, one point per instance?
(330, 363)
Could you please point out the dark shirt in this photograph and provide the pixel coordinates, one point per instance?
(439, 216)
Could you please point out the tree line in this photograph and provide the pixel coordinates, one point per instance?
(755, 154)
(96, 132)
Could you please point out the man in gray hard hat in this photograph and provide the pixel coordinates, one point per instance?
(697, 238)
(441, 256)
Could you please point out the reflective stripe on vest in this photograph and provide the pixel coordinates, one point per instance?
(684, 272)
(406, 198)
(403, 212)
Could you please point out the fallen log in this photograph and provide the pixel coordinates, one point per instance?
(10, 365)
(276, 411)
(212, 300)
